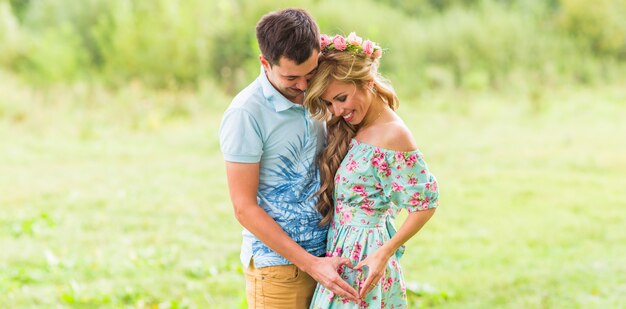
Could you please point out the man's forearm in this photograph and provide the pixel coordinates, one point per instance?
(259, 223)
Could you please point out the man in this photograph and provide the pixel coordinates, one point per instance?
(270, 145)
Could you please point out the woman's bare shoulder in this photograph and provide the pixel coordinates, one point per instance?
(392, 135)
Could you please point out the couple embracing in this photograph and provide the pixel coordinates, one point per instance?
(318, 165)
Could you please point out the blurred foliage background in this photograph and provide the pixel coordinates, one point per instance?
(509, 45)
(112, 186)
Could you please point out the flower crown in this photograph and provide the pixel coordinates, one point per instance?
(353, 43)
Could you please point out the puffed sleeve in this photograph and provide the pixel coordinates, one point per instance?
(240, 137)
(406, 180)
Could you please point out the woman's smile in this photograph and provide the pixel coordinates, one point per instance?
(348, 117)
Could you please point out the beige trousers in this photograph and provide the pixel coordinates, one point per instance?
(283, 286)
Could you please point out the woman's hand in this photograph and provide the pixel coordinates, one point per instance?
(376, 264)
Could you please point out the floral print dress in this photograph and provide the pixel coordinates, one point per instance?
(371, 185)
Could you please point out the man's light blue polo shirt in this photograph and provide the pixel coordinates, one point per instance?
(261, 125)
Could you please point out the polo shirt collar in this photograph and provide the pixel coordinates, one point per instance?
(273, 96)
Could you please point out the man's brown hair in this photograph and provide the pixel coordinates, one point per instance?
(291, 33)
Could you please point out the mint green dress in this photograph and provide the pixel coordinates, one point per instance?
(371, 185)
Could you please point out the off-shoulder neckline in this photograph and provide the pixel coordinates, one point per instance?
(358, 142)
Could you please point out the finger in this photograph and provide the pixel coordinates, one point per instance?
(369, 284)
(345, 295)
(346, 262)
(343, 288)
(336, 261)
(365, 289)
(335, 290)
(359, 266)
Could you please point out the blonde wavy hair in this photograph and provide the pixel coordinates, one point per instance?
(348, 68)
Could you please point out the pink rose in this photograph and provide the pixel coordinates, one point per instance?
(399, 156)
(377, 161)
(433, 186)
(386, 283)
(368, 47)
(411, 160)
(338, 208)
(377, 53)
(324, 41)
(396, 187)
(352, 165)
(383, 168)
(356, 251)
(339, 42)
(367, 209)
(425, 203)
(412, 181)
(347, 216)
(354, 39)
(416, 199)
(360, 189)
(364, 304)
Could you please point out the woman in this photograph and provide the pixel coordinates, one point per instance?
(370, 169)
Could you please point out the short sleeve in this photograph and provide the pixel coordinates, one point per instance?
(240, 137)
(406, 180)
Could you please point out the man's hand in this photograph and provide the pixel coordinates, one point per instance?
(243, 182)
(324, 271)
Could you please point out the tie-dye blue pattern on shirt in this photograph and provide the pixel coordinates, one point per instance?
(263, 126)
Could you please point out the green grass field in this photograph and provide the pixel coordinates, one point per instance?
(119, 200)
